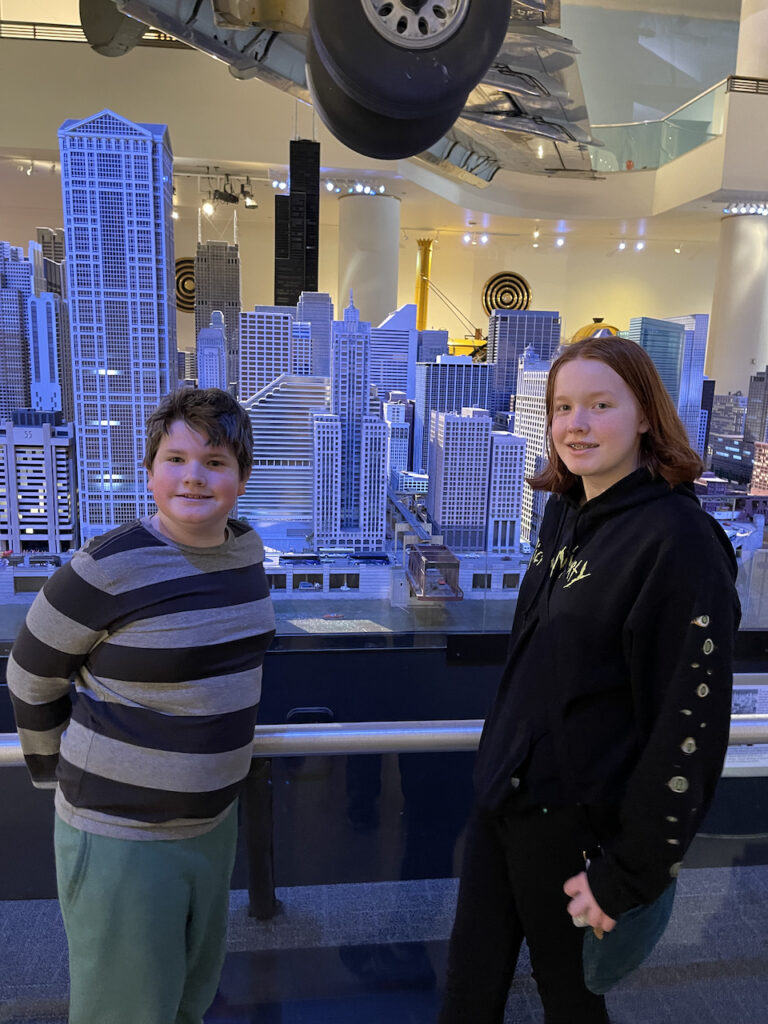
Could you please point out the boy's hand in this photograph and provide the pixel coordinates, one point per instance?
(584, 908)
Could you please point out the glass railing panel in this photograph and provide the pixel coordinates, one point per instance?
(647, 145)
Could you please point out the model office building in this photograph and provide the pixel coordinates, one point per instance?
(217, 288)
(37, 482)
(117, 184)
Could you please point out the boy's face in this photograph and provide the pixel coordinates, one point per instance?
(195, 486)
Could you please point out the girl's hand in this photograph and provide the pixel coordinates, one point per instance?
(584, 908)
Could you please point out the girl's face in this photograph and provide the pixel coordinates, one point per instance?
(596, 424)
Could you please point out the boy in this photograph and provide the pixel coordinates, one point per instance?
(163, 623)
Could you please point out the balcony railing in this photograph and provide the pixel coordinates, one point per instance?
(648, 145)
(387, 738)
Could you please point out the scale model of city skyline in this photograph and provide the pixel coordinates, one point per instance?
(359, 431)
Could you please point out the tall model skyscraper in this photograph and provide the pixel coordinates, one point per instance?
(448, 385)
(531, 423)
(316, 308)
(505, 492)
(297, 226)
(16, 289)
(459, 456)
(756, 417)
(510, 332)
(677, 346)
(45, 318)
(217, 287)
(350, 448)
(117, 189)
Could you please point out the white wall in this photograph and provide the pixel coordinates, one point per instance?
(582, 280)
(587, 277)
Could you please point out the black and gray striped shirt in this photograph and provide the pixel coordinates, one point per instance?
(165, 644)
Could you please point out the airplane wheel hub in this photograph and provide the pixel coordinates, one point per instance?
(416, 24)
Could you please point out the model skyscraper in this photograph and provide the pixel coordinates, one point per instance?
(350, 447)
(117, 189)
(297, 226)
(510, 332)
(211, 353)
(217, 288)
(450, 384)
(16, 289)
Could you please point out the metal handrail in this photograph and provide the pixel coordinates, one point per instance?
(386, 738)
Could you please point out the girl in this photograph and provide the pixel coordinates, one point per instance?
(606, 740)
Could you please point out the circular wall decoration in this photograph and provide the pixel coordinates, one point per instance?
(185, 284)
(506, 290)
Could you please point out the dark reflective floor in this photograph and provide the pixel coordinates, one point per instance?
(372, 984)
(375, 954)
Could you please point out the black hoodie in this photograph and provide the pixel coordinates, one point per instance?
(617, 690)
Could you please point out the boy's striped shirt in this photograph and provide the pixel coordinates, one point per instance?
(165, 644)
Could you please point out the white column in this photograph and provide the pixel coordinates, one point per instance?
(752, 54)
(738, 331)
(369, 250)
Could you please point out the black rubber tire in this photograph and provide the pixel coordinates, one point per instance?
(364, 130)
(398, 82)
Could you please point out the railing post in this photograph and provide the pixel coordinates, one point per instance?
(256, 818)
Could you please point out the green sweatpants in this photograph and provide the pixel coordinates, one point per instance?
(146, 923)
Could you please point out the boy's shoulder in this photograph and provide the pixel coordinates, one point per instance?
(130, 537)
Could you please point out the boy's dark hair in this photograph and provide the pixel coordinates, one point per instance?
(664, 447)
(209, 411)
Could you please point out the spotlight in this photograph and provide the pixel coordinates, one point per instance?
(337, 189)
(535, 245)
(175, 214)
(367, 190)
(208, 208)
(678, 250)
(639, 246)
(329, 186)
(275, 183)
(622, 246)
(222, 196)
(536, 233)
(358, 187)
(283, 186)
(560, 242)
(381, 188)
(484, 239)
(467, 239)
(247, 196)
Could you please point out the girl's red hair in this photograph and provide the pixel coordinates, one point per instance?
(664, 447)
